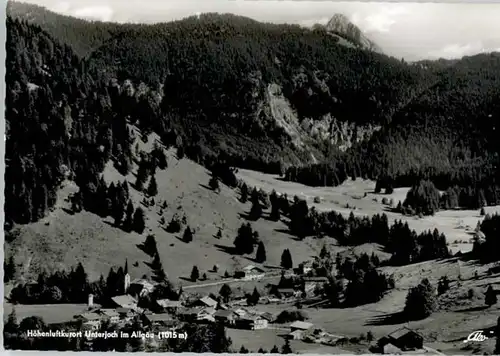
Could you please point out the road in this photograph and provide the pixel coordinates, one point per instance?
(228, 281)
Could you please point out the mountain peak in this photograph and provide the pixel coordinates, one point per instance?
(340, 25)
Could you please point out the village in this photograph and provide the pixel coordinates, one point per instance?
(237, 311)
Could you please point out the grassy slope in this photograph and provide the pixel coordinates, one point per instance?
(61, 240)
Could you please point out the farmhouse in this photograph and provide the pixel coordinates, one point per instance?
(205, 302)
(125, 313)
(169, 304)
(111, 314)
(300, 325)
(404, 339)
(163, 319)
(125, 301)
(253, 272)
(225, 316)
(251, 322)
(311, 282)
(91, 320)
(140, 287)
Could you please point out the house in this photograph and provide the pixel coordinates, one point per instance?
(205, 302)
(268, 316)
(90, 320)
(310, 283)
(111, 314)
(301, 325)
(404, 339)
(241, 312)
(140, 287)
(189, 315)
(225, 316)
(125, 313)
(296, 335)
(125, 301)
(390, 349)
(253, 272)
(169, 304)
(164, 319)
(286, 292)
(251, 322)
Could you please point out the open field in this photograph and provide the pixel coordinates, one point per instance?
(457, 225)
(50, 313)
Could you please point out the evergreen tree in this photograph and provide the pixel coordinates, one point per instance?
(420, 301)
(245, 240)
(214, 183)
(188, 235)
(152, 187)
(9, 269)
(243, 350)
(275, 350)
(261, 257)
(139, 223)
(150, 246)
(129, 217)
(219, 233)
(490, 296)
(244, 193)
(286, 259)
(286, 349)
(195, 274)
(256, 210)
(225, 292)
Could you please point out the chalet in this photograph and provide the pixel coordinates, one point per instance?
(404, 339)
(241, 312)
(296, 335)
(301, 325)
(163, 319)
(205, 302)
(268, 316)
(125, 313)
(140, 287)
(253, 272)
(125, 301)
(111, 314)
(286, 292)
(251, 322)
(169, 304)
(225, 316)
(90, 320)
(189, 315)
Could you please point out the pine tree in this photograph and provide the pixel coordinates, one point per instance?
(256, 210)
(261, 257)
(286, 349)
(11, 326)
(129, 217)
(219, 233)
(214, 183)
(286, 259)
(139, 223)
(195, 274)
(420, 301)
(152, 187)
(245, 240)
(244, 193)
(490, 296)
(188, 235)
(275, 350)
(243, 350)
(9, 269)
(225, 292)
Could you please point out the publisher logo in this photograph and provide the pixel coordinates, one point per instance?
(477, 336)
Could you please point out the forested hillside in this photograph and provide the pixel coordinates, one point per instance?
(204, 85)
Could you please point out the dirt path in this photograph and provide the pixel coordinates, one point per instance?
(226, 281)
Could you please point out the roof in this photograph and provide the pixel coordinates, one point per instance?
(141, 281)
(296, 333)
(124, 300)
(167, 303)
(401, 332)
(391, 349)
(286, 290)
(223, 313)
(250, 268)
(190, 311)
(267, 316)
(90, 316)
(159, 317)
(301, 325)
(109, 312)
(208, 301)
(123, 310)
(315, 279)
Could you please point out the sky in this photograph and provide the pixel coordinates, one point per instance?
(407, 30)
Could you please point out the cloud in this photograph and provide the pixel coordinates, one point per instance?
(99, 12)
(381, 20)
(459, 50)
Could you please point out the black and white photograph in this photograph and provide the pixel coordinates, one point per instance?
(234, 176)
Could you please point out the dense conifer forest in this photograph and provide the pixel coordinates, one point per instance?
(200, 83)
